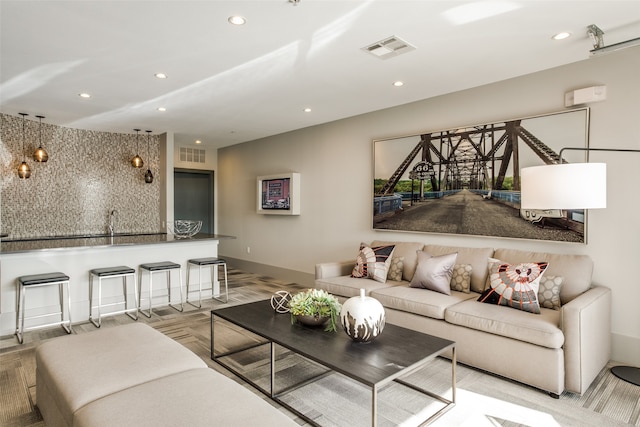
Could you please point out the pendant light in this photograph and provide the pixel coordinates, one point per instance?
(24, 171)
(148, 177)
(40, 155)
(137, 162)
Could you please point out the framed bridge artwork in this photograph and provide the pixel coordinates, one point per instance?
(467, 180)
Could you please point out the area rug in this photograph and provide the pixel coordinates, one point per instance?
(482, 399)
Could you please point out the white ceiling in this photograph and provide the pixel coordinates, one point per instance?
(229, 84)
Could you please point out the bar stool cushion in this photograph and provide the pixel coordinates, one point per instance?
(207, 261)
(40, 279)
(112, 271)
(158, 266)
(110, 360)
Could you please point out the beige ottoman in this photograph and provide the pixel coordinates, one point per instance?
(73, 371)
(197, 398)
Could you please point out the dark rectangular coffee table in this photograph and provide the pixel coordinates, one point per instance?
(397, 352)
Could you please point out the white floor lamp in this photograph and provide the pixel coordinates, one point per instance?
(584, 186)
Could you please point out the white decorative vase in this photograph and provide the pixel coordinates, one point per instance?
(362, 317)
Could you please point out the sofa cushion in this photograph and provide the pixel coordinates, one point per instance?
(461, 278)
(476, 257)
(434, 272)
(536, 329)
(576, 270)
(422, 302)
(407, 250)
(347, 286)
(515, 285)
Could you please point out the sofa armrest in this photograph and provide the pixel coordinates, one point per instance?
(586, 324)
(334, 269)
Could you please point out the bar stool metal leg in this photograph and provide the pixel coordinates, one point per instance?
(226, 286)
(181, 309)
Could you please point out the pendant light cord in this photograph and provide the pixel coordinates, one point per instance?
(24, 157)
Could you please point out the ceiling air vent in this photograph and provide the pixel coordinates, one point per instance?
(192, 155)
(389, 47)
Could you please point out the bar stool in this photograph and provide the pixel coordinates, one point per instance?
(36, 281)
(123, 272)
(159, 267)
(213, 263)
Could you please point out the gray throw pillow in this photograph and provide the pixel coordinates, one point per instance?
(434, 273)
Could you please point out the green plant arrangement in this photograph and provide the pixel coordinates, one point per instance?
(316, 303)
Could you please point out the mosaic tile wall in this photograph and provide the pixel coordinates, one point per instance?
(88, 175)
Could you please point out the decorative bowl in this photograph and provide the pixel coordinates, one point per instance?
(312, 320)
(184, 228)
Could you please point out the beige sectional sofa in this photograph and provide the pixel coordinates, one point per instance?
(556, 350)
(133, 375)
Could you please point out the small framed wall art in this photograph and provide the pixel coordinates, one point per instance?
(279, 194)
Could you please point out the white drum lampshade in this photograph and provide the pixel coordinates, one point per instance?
(564, 186)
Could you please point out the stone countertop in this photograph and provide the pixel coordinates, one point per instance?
(8, 246)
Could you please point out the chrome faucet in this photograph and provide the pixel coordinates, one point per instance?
(112, 226)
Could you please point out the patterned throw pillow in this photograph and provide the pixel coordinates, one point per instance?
(365, 256)
(373, 263)
(487, 283)
(396, 268)
(549, 292)
(461, 278)
(515, 285)
(434, 273)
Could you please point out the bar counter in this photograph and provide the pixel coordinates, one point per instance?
(10, 246)
(75, 256)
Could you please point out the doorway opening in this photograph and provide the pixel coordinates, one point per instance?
(193, 195)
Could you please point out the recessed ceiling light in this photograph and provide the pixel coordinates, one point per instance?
(161, 75)
(84, 95)
(398, 83)
(561, 36)
(162, 109)
(198, 141)
(237, 20)
(307, 110)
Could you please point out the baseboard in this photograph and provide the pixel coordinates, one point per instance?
(625, 349)
(305, 279)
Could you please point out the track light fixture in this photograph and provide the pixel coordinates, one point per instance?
(597, 39)
(595, 34)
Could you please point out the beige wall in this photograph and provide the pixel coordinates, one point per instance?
(335, 163)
